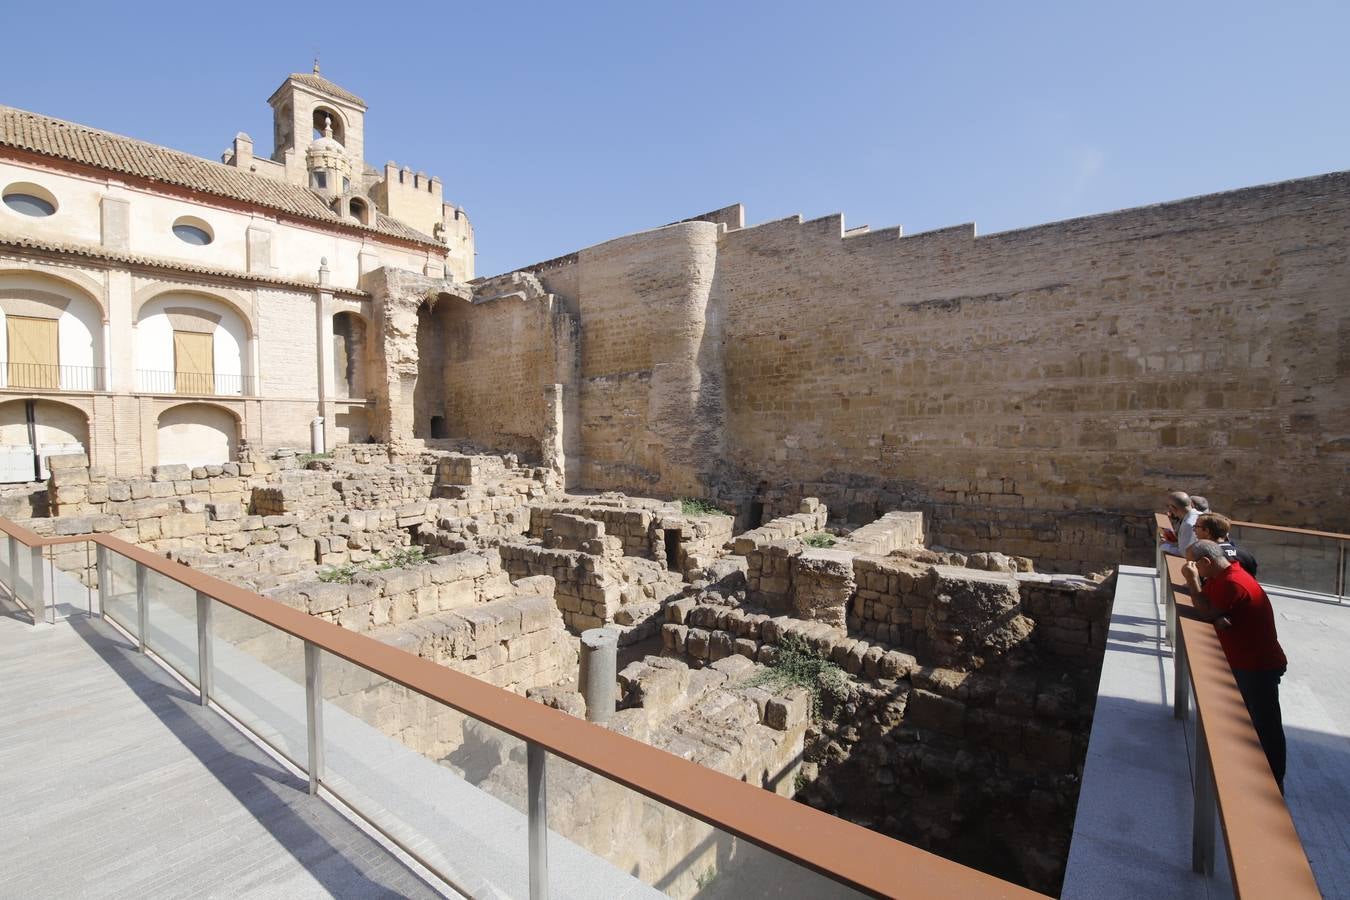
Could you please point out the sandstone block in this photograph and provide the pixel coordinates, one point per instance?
(788, 711)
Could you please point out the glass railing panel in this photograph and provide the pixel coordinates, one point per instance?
(1301, 562)
(171, 623)
(449, 789)
(5, 575)
(258, 676)
(69, 594)
(22, 576)
(119, 597)
(602, 833)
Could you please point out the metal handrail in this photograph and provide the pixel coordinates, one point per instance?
(840, 850)
(1265, 856)
(45, 377)
(205, 384)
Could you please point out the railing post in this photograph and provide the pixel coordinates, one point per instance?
(204, 656)
(1340, 571)
(537, 805)
(142, 605)
(1165, 598)
(1181, 681)
(104, 570)
(1202, 830)
(314, 714)
(39, 579)
(14, 567)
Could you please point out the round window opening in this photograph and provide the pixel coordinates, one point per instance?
(193, 231)
(30, 200)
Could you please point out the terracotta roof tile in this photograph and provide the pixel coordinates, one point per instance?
(319, 83)
(56, 138)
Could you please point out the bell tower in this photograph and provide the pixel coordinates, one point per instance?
(306, 104)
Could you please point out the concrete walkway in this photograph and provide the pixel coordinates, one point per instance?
(1132, 835)
(114, 782)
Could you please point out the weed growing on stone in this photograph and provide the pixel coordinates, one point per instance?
(797, 665)
(819, 539)
(399, 559)
(338, 574)
(305, 459)
(692, 506)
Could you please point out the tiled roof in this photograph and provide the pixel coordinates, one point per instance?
(319, 83)
(89, 251)
(102, 149)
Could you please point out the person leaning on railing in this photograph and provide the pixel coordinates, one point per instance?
(1215, 527)
(1242, 614)
(1182, 515)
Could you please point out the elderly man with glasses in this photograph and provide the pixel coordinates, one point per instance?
(1183, 515)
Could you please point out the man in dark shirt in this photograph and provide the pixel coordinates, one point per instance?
(1214, 527)
(1245, 620)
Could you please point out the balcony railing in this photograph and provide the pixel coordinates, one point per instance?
(42, 377)
(202, 384)
(1231, 780)
(208, 630)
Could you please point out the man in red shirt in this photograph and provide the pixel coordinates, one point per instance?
(1242, 614)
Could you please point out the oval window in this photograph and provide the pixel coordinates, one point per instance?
(194, 231)
(30, 200)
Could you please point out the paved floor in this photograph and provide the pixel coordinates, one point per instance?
(114, 782)
(1132, 832)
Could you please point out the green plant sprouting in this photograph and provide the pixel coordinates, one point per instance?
(797, 665)
(404, 558)
(693, 506)
(820, 540)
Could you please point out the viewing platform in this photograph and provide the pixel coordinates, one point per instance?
(118, 783)
(1135, 831)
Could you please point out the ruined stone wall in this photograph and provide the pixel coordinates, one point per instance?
(895, 602)
(513, 338)
(1063, 375)
(650, 371)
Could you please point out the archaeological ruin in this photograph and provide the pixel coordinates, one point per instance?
(846, 503)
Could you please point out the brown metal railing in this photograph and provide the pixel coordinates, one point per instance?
(1232, 778)
(841, 851)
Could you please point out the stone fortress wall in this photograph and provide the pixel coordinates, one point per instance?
(1038, 388)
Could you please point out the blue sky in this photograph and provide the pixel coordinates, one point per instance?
(558, 126)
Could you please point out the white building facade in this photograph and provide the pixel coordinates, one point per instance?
(157, 307)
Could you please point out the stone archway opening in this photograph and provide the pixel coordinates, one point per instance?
(435, 330)
(197, 434)
(33, 430)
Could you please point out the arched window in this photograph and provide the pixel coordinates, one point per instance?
(339, 129)
(360, 212)
(191, 344)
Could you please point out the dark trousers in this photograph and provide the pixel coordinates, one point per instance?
(1261, 693)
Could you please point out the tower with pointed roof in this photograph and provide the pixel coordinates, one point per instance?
(299, 108)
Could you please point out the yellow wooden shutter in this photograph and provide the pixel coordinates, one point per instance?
(33, 352)
(193, 363)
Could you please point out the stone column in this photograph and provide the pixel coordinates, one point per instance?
(599, 672)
